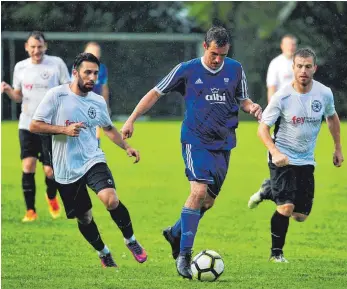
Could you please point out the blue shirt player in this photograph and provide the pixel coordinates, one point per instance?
(214, 88)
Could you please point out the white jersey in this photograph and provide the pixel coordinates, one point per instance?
(280, 72)
(34, 80)
(298, 118)
(74, 156)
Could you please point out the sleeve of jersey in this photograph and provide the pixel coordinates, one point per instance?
(64, 73)
(170, 81)
(105, 119)
(271, 77)
(104, 76)
(46, 108)
(16, 83)
(272, 111)
(329, 106)
(241, 89)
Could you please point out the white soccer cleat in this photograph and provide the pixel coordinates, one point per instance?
(278, 259)
(255, 200)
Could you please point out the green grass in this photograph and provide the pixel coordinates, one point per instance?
(52, 253)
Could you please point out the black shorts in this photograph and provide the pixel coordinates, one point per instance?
(35, 145)
(294, 185)
(75, 196)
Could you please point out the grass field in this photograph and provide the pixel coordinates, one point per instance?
(52, 253)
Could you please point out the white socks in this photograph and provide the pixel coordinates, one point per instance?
(131, 239)
(104, 251)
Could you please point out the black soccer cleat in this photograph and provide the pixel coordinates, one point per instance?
(183, 262)
(107, 261)
(174, 242)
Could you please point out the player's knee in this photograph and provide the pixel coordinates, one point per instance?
(109, 197)
(29, 165)
(299, 217)
(48, 172)
(286, 209)
(86, 218)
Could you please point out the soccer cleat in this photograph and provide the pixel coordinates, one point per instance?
(183, 262)
(174, 242)
(30, 216)
(278, 259)
(107, 261)
(255, 200)
(138, 252)
(53, 206)
(259, 196)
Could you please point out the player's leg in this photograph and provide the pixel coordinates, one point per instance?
(264, 193)
(29, 155)
(78, 205)
(305, 195)
(51, 185)
(99, 179)
(284, 190)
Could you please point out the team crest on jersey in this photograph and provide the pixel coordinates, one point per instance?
(316, 106)
(92, 112)
(226, 80)
(45, 74)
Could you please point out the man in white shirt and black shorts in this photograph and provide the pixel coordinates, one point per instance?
(296, 111)
(71, 114)
(279, 74)
(32, 78)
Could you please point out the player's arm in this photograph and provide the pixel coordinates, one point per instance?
(246, 104)
(167, 84)
(14, 94)
(142, 107)
(41, 127)
(333, 122)
(270, 115)
(112, 133)
(252, 108)
(271, 80)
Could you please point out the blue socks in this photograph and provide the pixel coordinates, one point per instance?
(176, 229)
(189, 221)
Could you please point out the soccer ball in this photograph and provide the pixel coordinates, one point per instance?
(208, 265)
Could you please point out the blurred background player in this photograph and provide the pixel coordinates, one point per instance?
(101, 85)
(279, 74)
(32, 78)
(71, 113)
(296, 110)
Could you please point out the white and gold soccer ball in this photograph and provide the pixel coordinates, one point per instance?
(208, 265)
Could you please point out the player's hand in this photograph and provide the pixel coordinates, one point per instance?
(74, 129)
(127, 130)
(256, 111)
(133, 153)
(5, 87)
(338, 158)
(280, 160)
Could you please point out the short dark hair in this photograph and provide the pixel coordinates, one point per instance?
(291, 36)
(305, 53)
(218, 34)
(38, 35)
(85, 57)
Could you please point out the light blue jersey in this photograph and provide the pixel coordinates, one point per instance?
(298, 119)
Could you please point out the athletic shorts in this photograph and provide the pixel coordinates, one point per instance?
(75, 196)
(206, 166)
(35, 145)
(293, 185)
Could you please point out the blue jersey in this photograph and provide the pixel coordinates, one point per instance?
(212, 99)
(102, 79)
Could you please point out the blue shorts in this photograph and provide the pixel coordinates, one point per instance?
(206, 166)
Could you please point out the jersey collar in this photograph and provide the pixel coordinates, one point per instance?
(209, 69)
